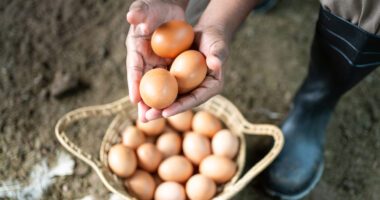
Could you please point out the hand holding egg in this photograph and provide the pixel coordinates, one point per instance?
(144, 17)
(198, 72)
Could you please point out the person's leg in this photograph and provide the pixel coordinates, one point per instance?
(342, 54)
(362, 13)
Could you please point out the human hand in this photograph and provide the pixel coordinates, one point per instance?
(145, 16)
(212, 42)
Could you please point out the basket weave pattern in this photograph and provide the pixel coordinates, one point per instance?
(125, 114)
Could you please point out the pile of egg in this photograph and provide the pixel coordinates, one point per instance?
(186, 156)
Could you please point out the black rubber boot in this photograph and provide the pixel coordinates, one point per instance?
(342, 55)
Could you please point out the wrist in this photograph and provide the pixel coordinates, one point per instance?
(219, 28)
(180, 3)
(227, 15)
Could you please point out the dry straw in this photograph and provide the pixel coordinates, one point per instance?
(125, 113)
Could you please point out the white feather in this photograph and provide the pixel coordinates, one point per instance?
(40, 179)
(88, 197)
(64, 167)
(114, 196)
(9, 189)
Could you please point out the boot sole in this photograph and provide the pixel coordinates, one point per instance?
(302, 194)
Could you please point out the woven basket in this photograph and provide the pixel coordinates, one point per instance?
(125, 114)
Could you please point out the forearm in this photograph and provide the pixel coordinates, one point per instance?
(226, 14)
(182, 3)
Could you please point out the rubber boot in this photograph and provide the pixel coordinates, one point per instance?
(341, 56)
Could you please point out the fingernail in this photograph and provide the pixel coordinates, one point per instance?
(133, 100)
(165, 114)
(148, 118)
(143, 119)
(143, 30)
(151, 117)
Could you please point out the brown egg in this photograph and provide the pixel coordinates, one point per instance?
(170, 191)
(169, 144)
(158, 88)
(172, 38)
(196, 147)
(141, 184)
(175, 168)
(153, 127)
(190, 69)
(132, 137)
(218, 168)
(122, 160)
(200, 187)
(182, 121)
(224, 143)
(149, 157)
(206, 124)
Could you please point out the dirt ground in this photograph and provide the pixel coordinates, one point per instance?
(49, 47)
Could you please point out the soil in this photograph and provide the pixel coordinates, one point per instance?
(59, 55)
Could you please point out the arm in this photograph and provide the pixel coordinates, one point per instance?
(214, 31)
(226, 14)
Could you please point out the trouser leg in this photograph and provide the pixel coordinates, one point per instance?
(362, 13)
(342, 54)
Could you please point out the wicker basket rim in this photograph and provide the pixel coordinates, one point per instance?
(124, 103)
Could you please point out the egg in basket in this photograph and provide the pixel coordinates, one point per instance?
(232, 123)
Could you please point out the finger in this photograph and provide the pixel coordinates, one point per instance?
(143, 30)
(219, 50)
(141, 110)
(153, 113)
(137, 12)
(147, 68)
(208, 89)
(134, 73)
(215, 66)
(160, 66)
(141, 17)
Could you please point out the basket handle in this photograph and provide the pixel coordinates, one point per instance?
(257, 129)
(83, 113)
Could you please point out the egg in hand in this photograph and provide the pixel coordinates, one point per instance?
(190, 69)
(172, 38)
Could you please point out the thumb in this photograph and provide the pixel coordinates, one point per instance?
(215, 65)
(219, 49)
(217, 55)
(137, 12)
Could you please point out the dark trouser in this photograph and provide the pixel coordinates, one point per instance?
(342, 54)
(362, 13)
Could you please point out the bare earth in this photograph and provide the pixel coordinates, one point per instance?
(47, 47)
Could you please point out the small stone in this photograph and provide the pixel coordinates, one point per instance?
(65, 83)
(65, 188)
(82, 169)
(62, 83)
(37, 144)
(38, 79)
(43, 94)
